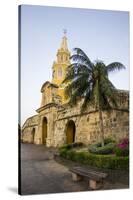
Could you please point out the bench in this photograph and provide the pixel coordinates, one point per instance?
(95, 178)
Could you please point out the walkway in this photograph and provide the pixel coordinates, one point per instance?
(41, 174)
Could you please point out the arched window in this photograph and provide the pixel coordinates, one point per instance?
(60, 72)
(53, 75)
(61, 58)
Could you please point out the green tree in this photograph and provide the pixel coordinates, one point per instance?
(89, 80)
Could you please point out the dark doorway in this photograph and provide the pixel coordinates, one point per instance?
(33, 135)
(70, 132)
(44, 130)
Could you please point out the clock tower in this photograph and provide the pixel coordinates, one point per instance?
(60, 66)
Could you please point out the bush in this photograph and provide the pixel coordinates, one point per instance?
(63, 152)
(107, 149)
(101, 161)
(72, 145)
(66, 146)
(122, 149)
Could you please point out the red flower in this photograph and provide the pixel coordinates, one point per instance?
(124, 143)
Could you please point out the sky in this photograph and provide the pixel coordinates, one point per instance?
(102, 34)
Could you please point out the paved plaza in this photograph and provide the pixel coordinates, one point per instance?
(40, 173)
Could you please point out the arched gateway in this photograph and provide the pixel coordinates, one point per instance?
(44, 130)
(70, 132)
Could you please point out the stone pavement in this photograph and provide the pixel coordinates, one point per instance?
(41, 174)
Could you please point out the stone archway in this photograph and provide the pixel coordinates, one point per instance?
(70, 132)
(33, 135)
(44, 130)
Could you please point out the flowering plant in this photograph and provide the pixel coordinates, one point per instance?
(122, 149)
(124, 143)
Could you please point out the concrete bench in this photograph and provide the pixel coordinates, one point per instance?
(95, 178)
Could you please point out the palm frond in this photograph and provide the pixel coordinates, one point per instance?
(105, 104)
(76, 92)
(79, 66)
(80, 84)
(108, 91)
(115, 66)
(88, 100)
(80, 59)
(79, 51)
(76, 70)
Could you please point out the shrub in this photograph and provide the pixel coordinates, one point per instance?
(101, 161)
(66, 146)
(70, 155)
(72, 145)
(63, 152)
(107, 149)
(121, 151)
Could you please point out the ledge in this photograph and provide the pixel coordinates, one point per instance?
(46, 106)
(93, 111)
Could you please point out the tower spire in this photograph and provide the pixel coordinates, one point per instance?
(64, 41)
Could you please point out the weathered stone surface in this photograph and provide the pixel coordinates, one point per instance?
(116, 125)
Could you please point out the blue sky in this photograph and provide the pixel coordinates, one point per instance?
(101, 34)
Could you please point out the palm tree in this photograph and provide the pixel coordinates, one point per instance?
(89, 80)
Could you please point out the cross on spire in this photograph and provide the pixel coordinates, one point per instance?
(65, 31)
(64, 40)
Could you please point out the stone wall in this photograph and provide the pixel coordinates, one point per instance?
(116, 123)
(30, 129)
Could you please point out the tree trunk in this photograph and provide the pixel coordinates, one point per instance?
(101, 127)
(100, 116)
